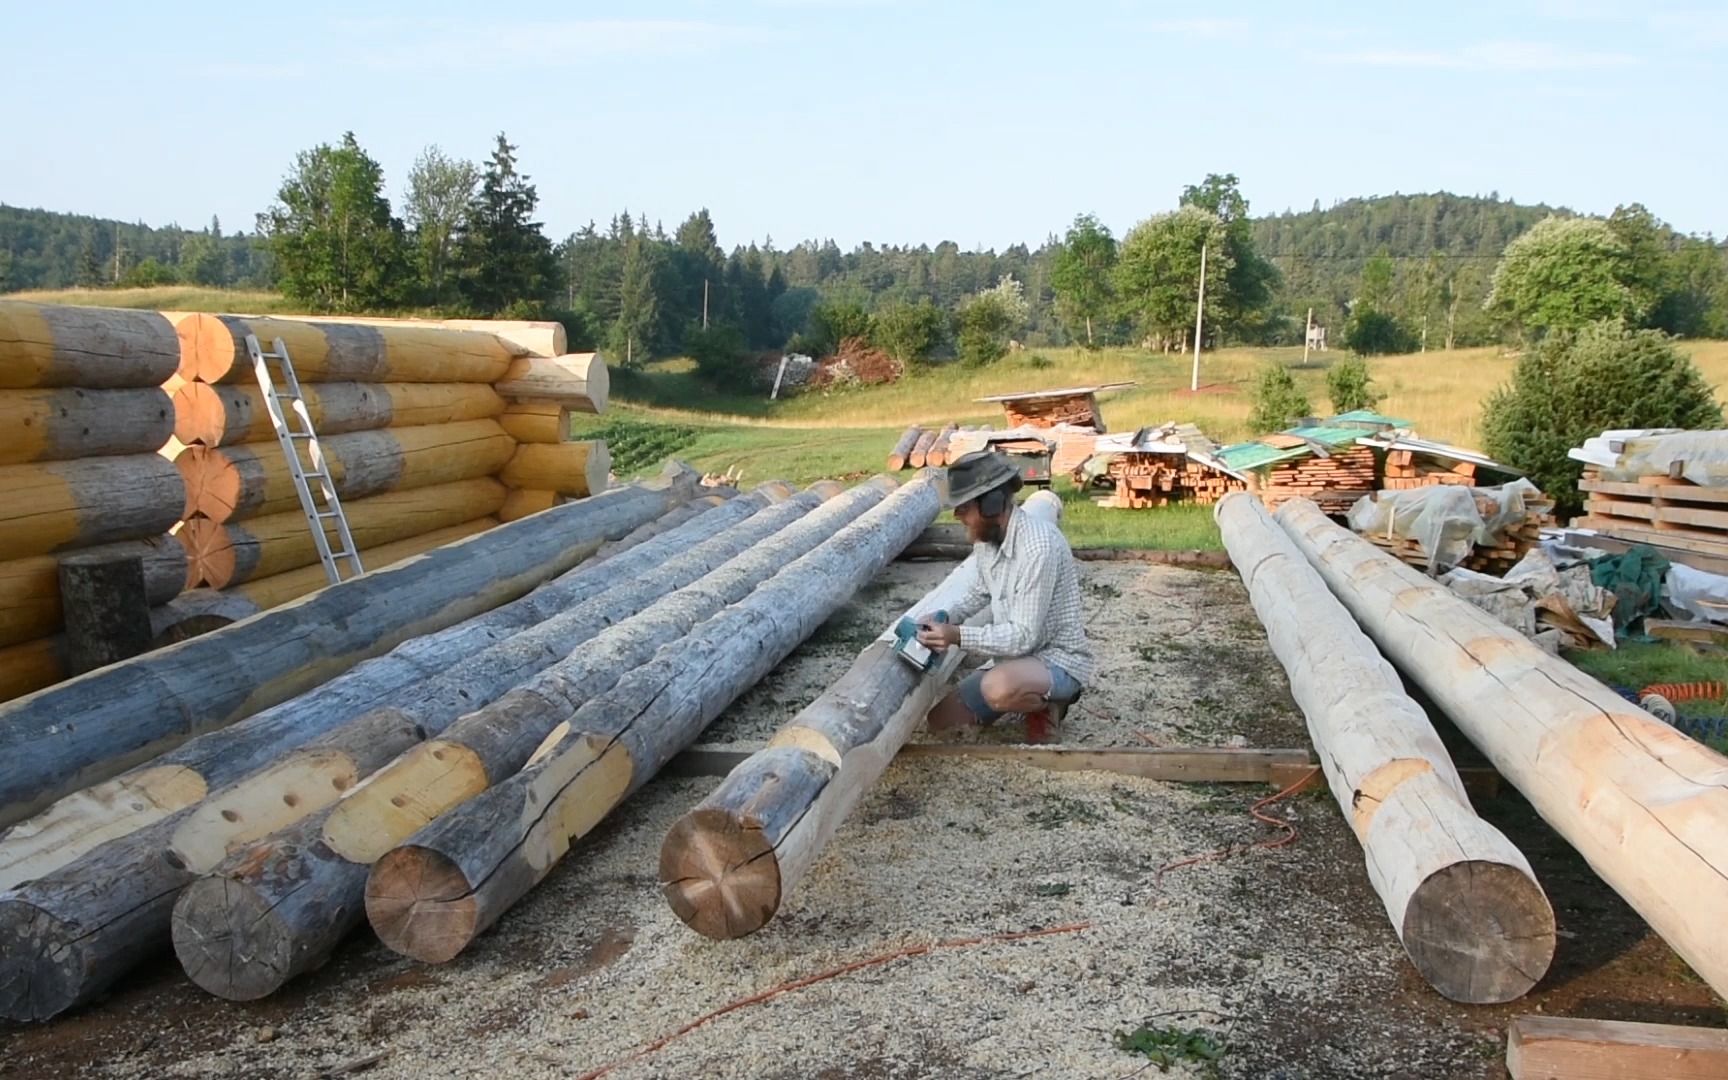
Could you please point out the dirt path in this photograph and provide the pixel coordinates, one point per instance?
(1284, 958)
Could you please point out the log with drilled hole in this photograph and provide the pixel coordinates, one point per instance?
(134, 710)
(233, 413)
(60, 505)
(231, 483)
(71, 422)
(726, 866)
(312, 878)
(1462, 899)
(1646, 806)
(213, 349)
(431, 896)
(53, 345)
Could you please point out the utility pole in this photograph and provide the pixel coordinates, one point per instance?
(1199, 312)
(1307, 336)
(704, 303)
(116, 253)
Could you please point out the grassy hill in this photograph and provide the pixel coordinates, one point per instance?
(166, 298)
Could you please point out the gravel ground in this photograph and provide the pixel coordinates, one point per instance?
(1282, 958)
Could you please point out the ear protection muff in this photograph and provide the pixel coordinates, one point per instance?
(992, 503)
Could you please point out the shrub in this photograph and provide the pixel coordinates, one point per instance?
(1375, 333)
(1350, 386)
(1574, 386)
(1278, 402)
(719, 354)
(908, 332)
(833, 321)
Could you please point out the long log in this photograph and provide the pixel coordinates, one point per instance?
(537, 422)
(194, 612)
(278, 589)
(231, 483)
(519, 503)
(31, 665)
(573, 468)
(314, 876)
(429, 898)
(921, 448)
(1562, 1048)
(133, 710)
(577, 381)
(1462, 899)
(30, 588)
(66, 423)
(52, 345)
(230, 414)
(726, 867)
(224, 554)
(1646, 806)
(938, 454)
(903, 448)
(59, 505)
(527, 337)
(213, 350)
(143, 795)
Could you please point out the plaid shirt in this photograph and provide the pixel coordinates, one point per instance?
(1032, 586)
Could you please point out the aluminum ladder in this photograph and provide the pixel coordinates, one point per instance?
(290, 438)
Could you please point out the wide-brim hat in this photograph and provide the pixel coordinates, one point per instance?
(976, 473)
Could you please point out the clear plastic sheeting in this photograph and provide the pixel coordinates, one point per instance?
(1695, 595)
(1698, 456)
(1447, 521)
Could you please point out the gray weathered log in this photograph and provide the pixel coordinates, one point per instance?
(67, 423)
(61, 505)
(1462, 899)
(130, 711)
(107, 608)
(431, 896)
(93, 348)
(332, 851)
(194, 612)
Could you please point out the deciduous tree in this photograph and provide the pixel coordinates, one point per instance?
(331, 234)
(1082, 273)
(440, 191)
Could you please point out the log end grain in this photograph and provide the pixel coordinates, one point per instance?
(211, 560)
(212, 415)
(229, 941)
(42, 966)
(1480, 932)
(421, 905)
(720, 878)
(211, 347)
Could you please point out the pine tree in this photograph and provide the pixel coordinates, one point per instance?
(505, 258)
(632, 332)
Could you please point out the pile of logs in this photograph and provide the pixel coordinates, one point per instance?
(1333, 482)
(250, 846)
(1143, 480)
(920, 447)
(1406, 469)
(84, 416)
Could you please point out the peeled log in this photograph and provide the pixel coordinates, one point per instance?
(62, 424)
(1462, 899)
(220, 555)
(572, 468)
(184, 775)
(50, 345)
(30, 588)
(230, 414)
(329, 855)
(577, 381)
(727, 866)
(903, 449)
(519, 503)
(938, 454)
(430, 897)
(278, 589)
(59, 505)
(30, 666)
(213, 349)
(149, 704)
(235, 482)
(1646, 806)
(537, 422)
(527, 337)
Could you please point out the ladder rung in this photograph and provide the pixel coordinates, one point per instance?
(313, 475)
(326, 513)
(300, 435)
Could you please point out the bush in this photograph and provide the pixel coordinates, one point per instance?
(719, 354)
(1574, 386)
(1350, 386)
(908, 332)
(832, 322)
(1278, 402)
(1375, 333)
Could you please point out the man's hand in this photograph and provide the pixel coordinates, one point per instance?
(935, 635)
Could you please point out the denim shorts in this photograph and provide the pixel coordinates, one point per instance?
(1064, 690)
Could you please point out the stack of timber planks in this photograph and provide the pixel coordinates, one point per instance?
(1405, 470)
(84, 416)
(1512, 544)
(1333, 482)
(1657, 510)
(1145, 480)
(1075, 410)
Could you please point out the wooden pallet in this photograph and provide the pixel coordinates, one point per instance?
(1658, 510)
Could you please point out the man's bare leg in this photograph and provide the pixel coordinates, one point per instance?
(1016, 686)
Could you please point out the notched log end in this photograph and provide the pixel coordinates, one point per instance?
(719, 876)
(421, 905)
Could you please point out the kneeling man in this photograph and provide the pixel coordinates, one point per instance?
(1028, 578)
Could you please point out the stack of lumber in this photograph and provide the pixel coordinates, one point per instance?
(1078, 410)
(1406, 469)
(1333, 482)
(1646, 806)
(92, 880)
(84, 416)
(1657, 510)
(1144, 479)
(1511, 545)
(1462, 899)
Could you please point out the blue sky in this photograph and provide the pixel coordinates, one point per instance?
(881, 120)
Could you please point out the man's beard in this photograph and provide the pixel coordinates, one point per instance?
(987, 532)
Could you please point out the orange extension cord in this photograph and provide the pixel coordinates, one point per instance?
(810, 980)
(1288, 837)
(1691, 691)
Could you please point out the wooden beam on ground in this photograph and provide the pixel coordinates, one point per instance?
(1559, 1048)
(921, 448)
(1183, 764)
(430, 897)
(130, 711)
(1644, 804)
(898, 456)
